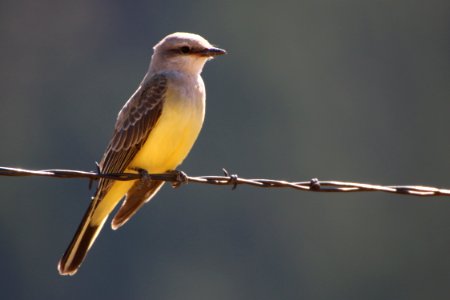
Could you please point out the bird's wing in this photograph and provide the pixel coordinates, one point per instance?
(134, 123)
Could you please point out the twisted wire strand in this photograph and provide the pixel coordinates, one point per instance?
(178, 178)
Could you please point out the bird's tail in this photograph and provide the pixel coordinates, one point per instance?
(138, 193)
(85, 236)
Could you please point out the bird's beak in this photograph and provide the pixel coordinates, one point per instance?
(211, 52)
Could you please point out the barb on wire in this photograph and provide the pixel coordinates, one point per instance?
(178, 178)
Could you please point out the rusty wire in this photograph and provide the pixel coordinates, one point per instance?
(178, 178)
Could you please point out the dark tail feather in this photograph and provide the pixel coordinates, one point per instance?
(81, 243)
(141, 192)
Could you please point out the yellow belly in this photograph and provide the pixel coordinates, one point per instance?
(172, 137)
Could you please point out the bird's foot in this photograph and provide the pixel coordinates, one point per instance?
(181, 178)
(143, 173)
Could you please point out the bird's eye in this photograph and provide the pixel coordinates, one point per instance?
(185, 49)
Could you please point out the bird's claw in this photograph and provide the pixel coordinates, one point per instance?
(143, 173)
(180, 178)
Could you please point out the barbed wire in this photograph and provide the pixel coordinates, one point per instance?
(178, 178)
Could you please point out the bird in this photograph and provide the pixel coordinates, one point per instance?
(154, 132)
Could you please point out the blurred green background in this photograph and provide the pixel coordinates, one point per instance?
(344, 90)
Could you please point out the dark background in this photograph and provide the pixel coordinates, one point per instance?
(345, 90)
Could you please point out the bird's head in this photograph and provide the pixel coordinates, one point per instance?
(186, 52)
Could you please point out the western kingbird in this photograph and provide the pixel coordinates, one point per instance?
(154, 131)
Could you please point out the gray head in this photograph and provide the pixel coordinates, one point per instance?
(181, 51)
